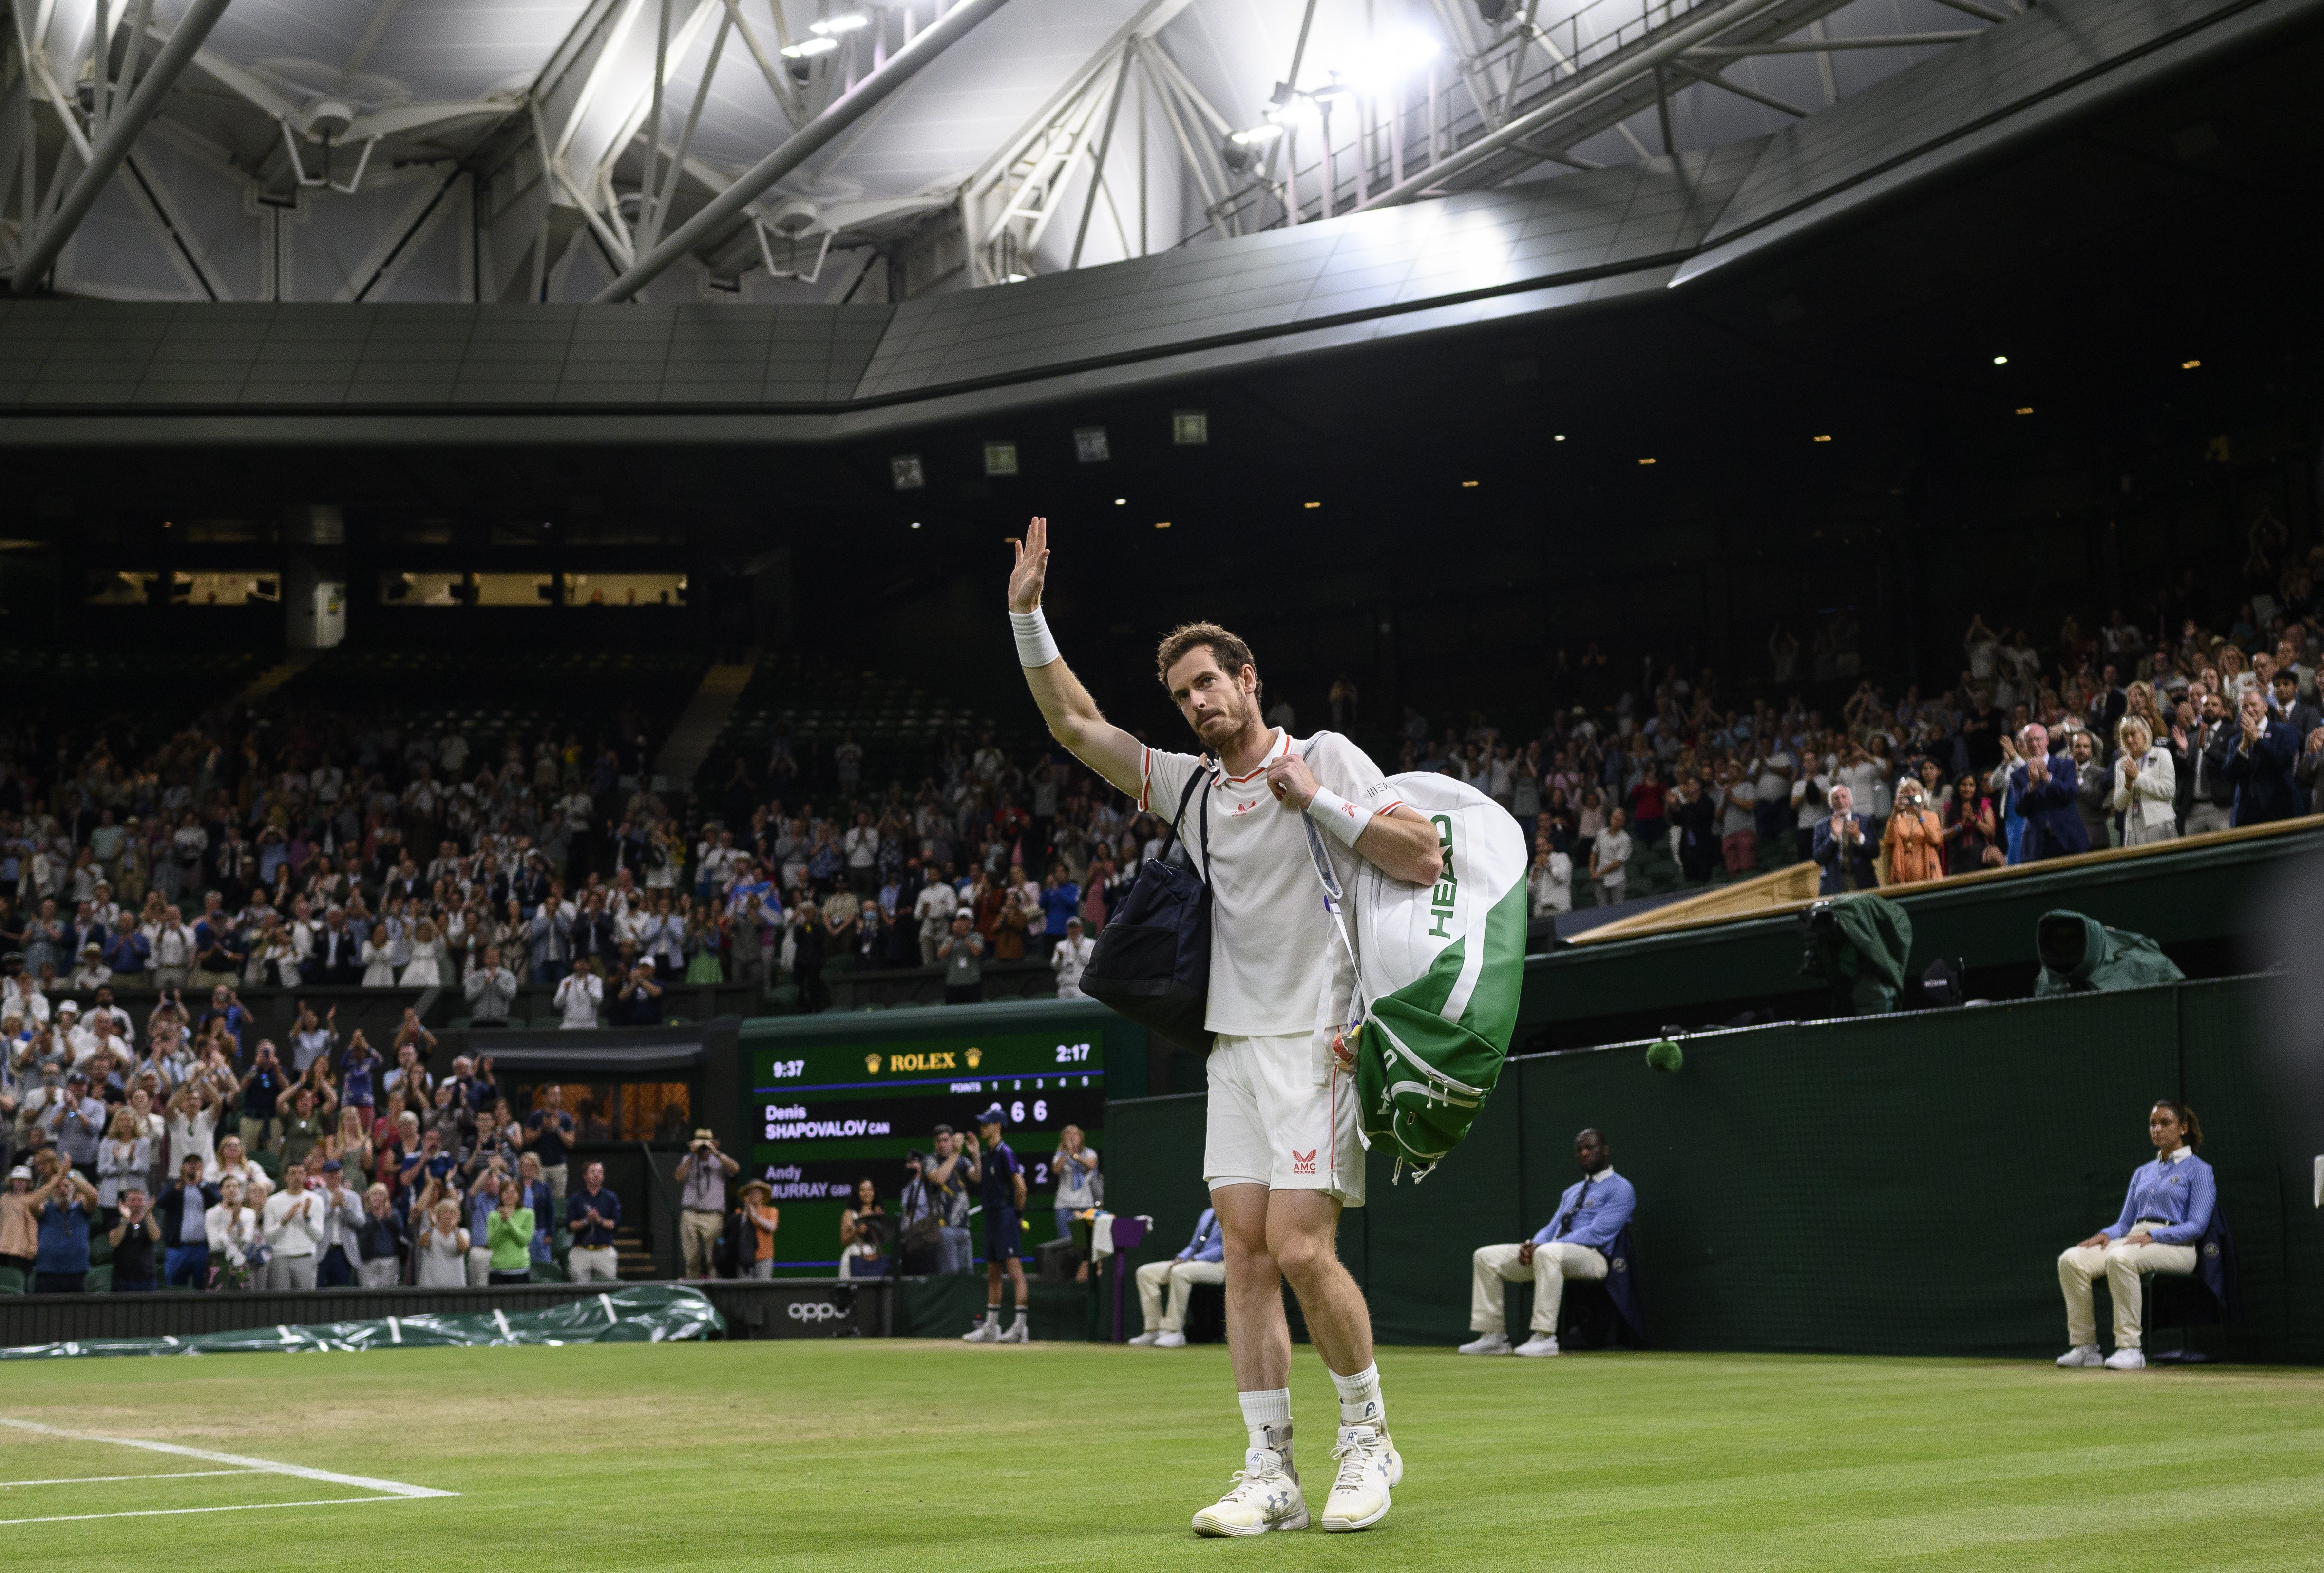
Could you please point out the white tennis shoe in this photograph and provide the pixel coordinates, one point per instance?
(986, 1331)
(1143, 1340)
(2082, 1354)
(1018, 1333)
(1369, 1468)
(1486, 1344)
(1262, 1495)
(1540, 1343)
(1169, 1340)
(2126, 1360)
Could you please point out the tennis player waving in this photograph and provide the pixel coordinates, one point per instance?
(1280, 1155)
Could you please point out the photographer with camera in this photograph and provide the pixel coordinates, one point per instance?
(934, 1207)
(1002, 1179)
(702, 1176)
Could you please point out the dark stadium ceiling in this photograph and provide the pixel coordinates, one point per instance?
(531, 149)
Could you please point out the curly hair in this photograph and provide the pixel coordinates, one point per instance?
(1227, 648)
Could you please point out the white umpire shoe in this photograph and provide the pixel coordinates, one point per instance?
(1143, 1340)
(1169, 1340)
(1486, 1344)
(986, 1331)
(2082, 1354)
(2127, 1360)
(1370, 1466)
(1262, 1495)
(1538, 1345)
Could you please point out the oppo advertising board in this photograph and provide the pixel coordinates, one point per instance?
(826, 1117)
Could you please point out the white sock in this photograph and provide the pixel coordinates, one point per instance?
(1359, 1398)
(1267, 1417)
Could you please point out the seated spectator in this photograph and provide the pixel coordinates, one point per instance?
(1915, 838)
(593, 1215)
(136, 1239)
(1843, 846)
(2261, 761)
(2166, 1216)
(1202, 1260)
(1590, 1216)
(64, 1204)
(2145, 790)
(380, 1243)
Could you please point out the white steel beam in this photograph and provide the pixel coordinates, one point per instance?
(120, 136)
(724, 211)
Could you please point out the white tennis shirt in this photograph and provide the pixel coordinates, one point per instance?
(1273, 952)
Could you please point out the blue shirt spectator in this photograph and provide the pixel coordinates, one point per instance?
(593, 1236)
(64, 1259)
(1060, 902)
(1208, 1243)
(2052, 819)
(1592, 1212)
(128, 953)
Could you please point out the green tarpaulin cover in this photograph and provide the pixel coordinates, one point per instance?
(2080, 955)
(645, 1313)
(1858, 945)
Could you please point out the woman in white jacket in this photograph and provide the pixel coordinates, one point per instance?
(2145, 786)
(233, 1230)
(379, 970)
(428, 952)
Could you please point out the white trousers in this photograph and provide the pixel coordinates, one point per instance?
(584, 1262)
(380, 1273)
(1179, 1278)
(1552, 1264)
(2120, 1265)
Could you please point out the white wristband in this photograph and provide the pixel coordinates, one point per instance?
(1337, 816)
(1035, 646)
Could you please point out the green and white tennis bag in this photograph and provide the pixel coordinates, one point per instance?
(1438, 971)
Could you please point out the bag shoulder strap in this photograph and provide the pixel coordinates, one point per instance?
(1334, 896)
(1177, 819)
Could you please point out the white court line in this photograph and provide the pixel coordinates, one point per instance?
(389, 1490)
(74, 1518)
(102, 1479)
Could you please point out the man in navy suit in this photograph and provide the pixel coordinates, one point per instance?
(1843, 848)
(2043, 784)
(2260, 763)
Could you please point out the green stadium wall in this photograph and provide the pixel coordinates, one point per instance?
(1894, 1185)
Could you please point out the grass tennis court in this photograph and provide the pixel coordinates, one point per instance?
(816, 1455)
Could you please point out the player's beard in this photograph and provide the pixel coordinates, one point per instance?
(1221, 729)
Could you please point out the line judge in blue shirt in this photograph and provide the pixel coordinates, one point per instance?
(1203, 1261)
(1591, 1215)
(2164, 1219)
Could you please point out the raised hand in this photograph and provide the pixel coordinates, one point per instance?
(1031, 570)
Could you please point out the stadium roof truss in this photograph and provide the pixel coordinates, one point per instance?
(776, 150)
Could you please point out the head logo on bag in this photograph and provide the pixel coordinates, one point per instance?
(1439, 968)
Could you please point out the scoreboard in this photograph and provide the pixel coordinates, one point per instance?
(824, 1116)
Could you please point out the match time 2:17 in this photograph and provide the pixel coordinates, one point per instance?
(1072, 1053)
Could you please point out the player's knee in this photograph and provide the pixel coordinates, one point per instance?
(1301, 1257)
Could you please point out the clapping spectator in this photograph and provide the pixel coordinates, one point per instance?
(135, 1238)
(2260, 765)
(380, 1243)
(579, 995)
(1915, 838)
(292, 1225)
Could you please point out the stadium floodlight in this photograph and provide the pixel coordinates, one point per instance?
(905, 471)
(1091, 445)
(807, 48)
(1190, 428)
(1496, 11)
(844, 21)
(999, 459)
(1242, 151)
(2001, 360)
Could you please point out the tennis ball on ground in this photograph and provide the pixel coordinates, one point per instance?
(1664, 1056)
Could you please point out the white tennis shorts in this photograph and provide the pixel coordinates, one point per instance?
(1282, 1115)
